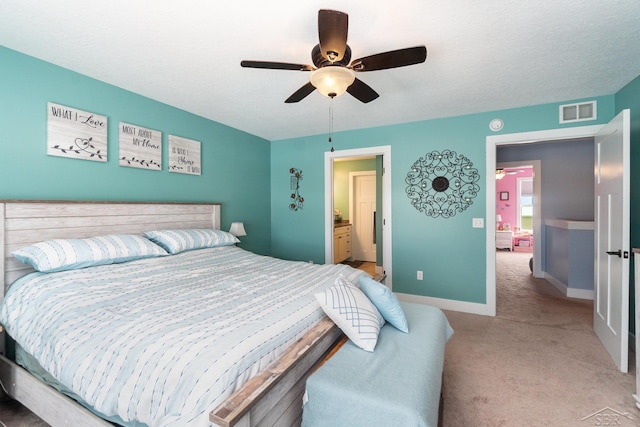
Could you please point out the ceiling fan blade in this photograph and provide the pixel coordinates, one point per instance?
(276, 65)
(362, 91)
(391, 59)
(333, 27)
(301, 93)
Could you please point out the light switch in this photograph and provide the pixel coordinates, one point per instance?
(478, 223)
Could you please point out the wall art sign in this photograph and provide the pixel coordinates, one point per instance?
(184, 155)
(297, 200)
(140, 147)
(441, 184)
(75, 133)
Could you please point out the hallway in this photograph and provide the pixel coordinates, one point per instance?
(524, 298)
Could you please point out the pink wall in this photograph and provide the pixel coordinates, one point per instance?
(508, 209)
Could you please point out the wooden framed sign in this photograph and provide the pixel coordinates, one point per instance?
(75, 133)
(184, 155)
(140, 147)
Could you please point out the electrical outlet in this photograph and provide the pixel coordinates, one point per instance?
(419, 275)
(477, 223)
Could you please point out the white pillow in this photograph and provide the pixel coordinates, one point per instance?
(176, 241)
(69, 254)
(351, 310)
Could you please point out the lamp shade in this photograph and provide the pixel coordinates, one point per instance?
(332, 80)
(237, 229)
(498, 218)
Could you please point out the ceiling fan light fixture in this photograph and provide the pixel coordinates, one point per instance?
(332, 81)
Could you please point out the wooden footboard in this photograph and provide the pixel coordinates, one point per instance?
(274, 398)
(50, 405)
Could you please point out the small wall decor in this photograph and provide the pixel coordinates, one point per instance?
(184, 155)
(441, 184)
(296, 199)
(76, 134)
(504, 195)
(140, 147)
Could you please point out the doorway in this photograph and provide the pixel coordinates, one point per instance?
(492, 143)
(383, 218)
(514, 201)
(611, 170)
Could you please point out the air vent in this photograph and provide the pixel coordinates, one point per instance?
(581, 112)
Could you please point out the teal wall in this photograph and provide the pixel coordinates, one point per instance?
(234, 163)
(450, 252)
(629, 97)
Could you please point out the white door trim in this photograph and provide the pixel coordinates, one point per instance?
(492, 142)
(387, 242)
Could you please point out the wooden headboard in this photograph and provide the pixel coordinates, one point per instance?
(27, 222)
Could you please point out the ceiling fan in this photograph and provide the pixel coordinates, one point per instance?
(502, 172)
(332, 74)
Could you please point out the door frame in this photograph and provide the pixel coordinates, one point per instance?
(352, 179)
(387, 242)
(492, 142)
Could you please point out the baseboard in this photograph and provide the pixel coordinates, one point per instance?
(580, 294)
(447, 304)
(567, 291)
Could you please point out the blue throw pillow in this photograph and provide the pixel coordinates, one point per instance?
(385, 301)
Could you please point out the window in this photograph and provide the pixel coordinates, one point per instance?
(525, 204)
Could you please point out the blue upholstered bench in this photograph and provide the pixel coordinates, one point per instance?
(398, 384)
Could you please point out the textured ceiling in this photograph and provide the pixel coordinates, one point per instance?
(482, 55)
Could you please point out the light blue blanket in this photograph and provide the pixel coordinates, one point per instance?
(396, 385)
(163, 341)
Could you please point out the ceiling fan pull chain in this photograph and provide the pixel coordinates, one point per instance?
(331, 123)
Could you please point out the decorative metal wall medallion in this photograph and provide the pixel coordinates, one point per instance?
(441, 184)
(296, 199)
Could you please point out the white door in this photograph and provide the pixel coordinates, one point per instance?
(611, 302)
(364, 207)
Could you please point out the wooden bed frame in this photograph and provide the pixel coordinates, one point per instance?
(273, 398)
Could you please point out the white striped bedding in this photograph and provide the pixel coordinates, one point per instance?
(163, 341)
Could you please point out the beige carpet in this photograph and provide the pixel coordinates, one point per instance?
(537, 363)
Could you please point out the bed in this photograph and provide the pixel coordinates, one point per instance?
(267, 391)
(281, 345)
(523, 242)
